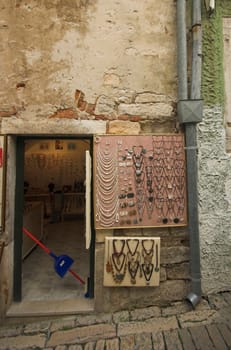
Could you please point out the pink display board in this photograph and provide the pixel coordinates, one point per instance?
(139, 181)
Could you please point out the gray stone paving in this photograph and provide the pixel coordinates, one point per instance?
(174, 327)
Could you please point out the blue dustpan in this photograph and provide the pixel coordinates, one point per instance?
(62, 264)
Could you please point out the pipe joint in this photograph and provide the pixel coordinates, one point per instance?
(193, 299)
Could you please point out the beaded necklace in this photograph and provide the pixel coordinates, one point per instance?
(133, 259)
(119, 264)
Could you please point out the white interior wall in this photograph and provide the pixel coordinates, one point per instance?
(59, 161)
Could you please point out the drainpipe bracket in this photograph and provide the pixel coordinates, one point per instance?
(190, 111)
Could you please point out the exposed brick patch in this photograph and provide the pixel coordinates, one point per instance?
(8, 113)
(103, 117)
(65, 113)
(83, 105)
(136, 118)
(132, 118)
(124, 117)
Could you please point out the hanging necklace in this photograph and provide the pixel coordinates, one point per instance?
(147, 265)
(132, 249)
(157, 258)
(108, 264)
(147, 252)
(133, 259)
(118, 261)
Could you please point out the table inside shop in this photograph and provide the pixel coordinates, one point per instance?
(73, 203)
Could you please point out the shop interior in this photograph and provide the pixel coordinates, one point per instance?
(54, 213)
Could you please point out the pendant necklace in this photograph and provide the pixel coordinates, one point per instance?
(147, 265)
(157, 258)
(108, 264)
(118, 261)
(133, 259)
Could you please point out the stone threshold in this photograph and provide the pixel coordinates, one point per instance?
(50, 308)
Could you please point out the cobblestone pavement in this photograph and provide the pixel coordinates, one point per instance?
(174, 327)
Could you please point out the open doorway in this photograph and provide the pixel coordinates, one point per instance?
(54, 213)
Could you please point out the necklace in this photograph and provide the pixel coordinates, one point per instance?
(108, 264)
(147, 266)
(157, 258)
(147, 252)
(119, 265)
(134, 259)
(133, 265)
(147, 270)
(132, 248)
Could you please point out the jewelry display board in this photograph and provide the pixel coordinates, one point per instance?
(132, 261)
(139, 181)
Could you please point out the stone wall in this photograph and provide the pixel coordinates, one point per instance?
(82, 67)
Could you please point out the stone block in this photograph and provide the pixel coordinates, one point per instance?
(163, 274)
(105, 105)
(35, 327)
(158, 341)
(125, 96)
(82, 334)
(61, 324)
(178, 271)
(145, 313)
(14, 125)
(88, 320)
(127, 342)
(176, 309)
(121, 127)
(89, 346)
(172, 340)
(143, 341)
(149, 110)
(121, 316)
(75, 347)
(149, 97)
(10, 332)
(61, 347)
(22, 342)
(227, 297)
(173, 255)
(112, 344)
(196, 318)
(151, 325)
(100, 344)
(164, 126)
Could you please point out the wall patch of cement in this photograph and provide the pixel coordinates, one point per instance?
(214, 202)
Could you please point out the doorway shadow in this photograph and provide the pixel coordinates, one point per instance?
(39, 278)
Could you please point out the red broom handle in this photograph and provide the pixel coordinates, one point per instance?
(47, 250)
(76, 276)
(29, 234)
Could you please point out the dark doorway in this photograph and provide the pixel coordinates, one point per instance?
(50, 197)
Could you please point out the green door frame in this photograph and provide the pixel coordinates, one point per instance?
(18, 220)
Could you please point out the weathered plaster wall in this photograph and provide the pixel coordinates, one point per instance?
(215, 202)
(113, 49)
(214, 162)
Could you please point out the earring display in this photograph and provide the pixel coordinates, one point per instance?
(140, 181)
(132, 261)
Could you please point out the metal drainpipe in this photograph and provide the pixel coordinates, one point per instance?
(191, 133)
